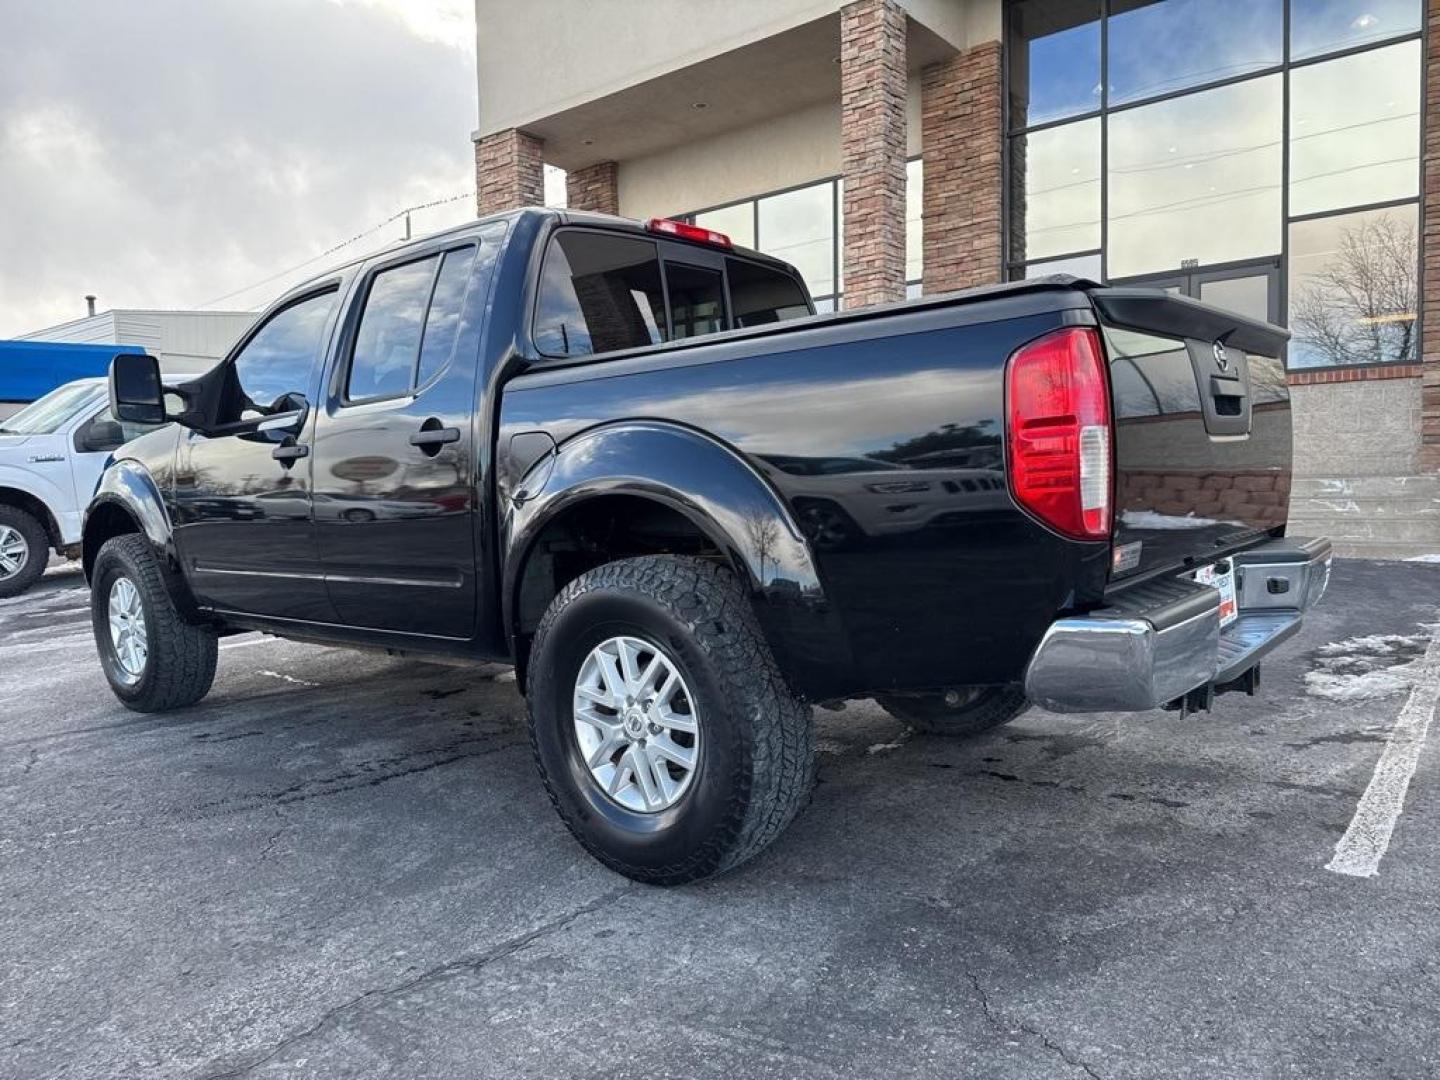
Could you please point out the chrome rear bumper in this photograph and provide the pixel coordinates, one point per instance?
(1163, 639)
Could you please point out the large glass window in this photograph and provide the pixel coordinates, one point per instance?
(1195, 180)
(1220, 159)
(914, 211)
(598, 292)
(737, 222)
(281, 358)
(1055, 190)
(799, 227)
(1055, 64)
(1355, 130)
(1159, 48)
(804, 226)
(1324, 26)
(1354, 288)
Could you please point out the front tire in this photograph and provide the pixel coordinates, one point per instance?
(967, 710)
(724, 743)
(153, 659)
(24, 551)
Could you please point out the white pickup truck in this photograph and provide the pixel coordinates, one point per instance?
(51, 455)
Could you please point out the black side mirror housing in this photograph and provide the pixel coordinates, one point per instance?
(103, 435)
(135, 391)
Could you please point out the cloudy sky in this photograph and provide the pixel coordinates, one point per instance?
(169, 153)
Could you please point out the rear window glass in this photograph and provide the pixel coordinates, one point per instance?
(761, 295)
(598, 293)
(697, 300)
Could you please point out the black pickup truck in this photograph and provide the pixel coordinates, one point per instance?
(630, 460)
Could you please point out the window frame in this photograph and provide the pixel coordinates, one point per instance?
(1015, 270)
(345, 362)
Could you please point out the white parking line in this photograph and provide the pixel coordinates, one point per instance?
(1363, 846)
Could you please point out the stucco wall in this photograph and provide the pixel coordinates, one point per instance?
(784, 152)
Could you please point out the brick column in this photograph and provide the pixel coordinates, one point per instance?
(872, 150)
(593, 188)
(962, 141)
(509, 171)
(1430, 251)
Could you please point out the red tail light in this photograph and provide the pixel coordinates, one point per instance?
(1058, 444)
(688, 232)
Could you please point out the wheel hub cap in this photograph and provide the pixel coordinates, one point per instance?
(636, 724)
(14, 551)
(128, 635)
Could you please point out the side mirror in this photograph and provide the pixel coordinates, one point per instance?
(135, 391)
(102, 435)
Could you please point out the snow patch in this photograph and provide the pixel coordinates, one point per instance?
(1434, 558)
(1366, 667)
(287, 678)
(883, 747)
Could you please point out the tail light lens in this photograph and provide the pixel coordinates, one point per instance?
(1058, 443)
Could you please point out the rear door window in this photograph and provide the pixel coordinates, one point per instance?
(408, 329)
(598, 292)
(697, 300)
(760, 294)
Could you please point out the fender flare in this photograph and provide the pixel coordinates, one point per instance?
(707, 482)
(128, 485)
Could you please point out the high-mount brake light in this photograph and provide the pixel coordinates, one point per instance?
(1058, 443)
(683, 231)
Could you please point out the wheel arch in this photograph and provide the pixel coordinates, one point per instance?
(691, 488)
(127, 500)
(32, 504)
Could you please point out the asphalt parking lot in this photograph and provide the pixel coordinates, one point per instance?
(344, 865)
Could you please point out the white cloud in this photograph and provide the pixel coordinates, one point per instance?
(166, 153)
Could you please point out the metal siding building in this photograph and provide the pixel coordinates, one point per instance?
(185, 342)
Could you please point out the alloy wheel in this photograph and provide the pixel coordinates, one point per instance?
(14, 551)
(128, 634)
(636, 724)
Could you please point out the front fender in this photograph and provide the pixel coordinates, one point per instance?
(128, 486)
(722, 495)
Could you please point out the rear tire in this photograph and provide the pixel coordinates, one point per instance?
(153, 659)
(750, 760)
(977, 709)
(24, 551)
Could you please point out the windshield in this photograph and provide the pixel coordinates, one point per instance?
(51, 412)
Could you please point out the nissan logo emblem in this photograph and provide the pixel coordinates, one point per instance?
(1222, 359)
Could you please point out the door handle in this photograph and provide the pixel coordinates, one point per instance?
(289, 454)
(438, 436)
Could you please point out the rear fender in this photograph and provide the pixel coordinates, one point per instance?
(723, 496)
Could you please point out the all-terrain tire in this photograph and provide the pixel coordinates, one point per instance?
(37, 551)
(984, 708)
(755, 762)
(179, 667)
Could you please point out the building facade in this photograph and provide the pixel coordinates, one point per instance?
(1272, 156)
(185, 342)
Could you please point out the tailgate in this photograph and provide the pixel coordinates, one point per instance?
(1202, 429)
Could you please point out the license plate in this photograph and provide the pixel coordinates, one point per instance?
(1221, 578)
